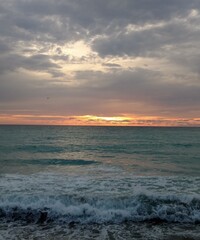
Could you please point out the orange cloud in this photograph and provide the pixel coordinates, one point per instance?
(91, 120)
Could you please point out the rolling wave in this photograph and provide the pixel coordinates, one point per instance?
(76, 209)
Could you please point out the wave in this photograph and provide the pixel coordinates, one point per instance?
(41, 148)
(53, 161)
(76, 209)
(58, 162)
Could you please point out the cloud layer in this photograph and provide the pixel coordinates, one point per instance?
(73, 58)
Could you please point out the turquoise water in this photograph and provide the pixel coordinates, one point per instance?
(143, 151)
(99, 182)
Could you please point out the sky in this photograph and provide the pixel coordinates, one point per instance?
(100, 62)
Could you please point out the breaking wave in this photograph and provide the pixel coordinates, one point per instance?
(76, 209)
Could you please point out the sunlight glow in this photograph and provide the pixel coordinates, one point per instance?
(108, 119)
(91, 120)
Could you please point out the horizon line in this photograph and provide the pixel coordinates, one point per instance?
(71, 125)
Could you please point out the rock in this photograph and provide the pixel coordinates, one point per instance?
(43, 217)
(71, 224)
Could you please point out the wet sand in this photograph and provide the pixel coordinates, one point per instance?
(127, 231)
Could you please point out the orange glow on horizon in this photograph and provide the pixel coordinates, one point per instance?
(92, 120)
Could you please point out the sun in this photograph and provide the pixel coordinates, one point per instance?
(121, 120)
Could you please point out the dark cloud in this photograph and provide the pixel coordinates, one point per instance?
(35, 35)
(4, 48)
(147, 42)
(189, 60)
(111, 65)
(40, 62)
(53, 20)
(89, 12)
(48, 22)
(9, 62)
(142, 86)
(60, 21)
(139, 91)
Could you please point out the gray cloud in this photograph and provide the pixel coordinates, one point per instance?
(143, 86)
(40, 62)
(137, 92)
(85, 13)
(4, 48)
(9, 62)
(48, 22)
(62, 20)
(111, 65)
(147, 42)
(164, 30)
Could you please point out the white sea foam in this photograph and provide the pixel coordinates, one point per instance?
(100, 210)
(89, 199)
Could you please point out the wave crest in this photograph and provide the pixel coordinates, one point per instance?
(67, 209)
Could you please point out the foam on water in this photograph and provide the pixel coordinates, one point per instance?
(97, 199)
(68, 209)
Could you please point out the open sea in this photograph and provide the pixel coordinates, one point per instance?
(60, 182)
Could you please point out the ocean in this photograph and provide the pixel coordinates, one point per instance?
(64, 182)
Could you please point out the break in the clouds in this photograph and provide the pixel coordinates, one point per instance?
(103, 58)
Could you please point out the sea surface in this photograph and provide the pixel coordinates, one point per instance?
(60, 182)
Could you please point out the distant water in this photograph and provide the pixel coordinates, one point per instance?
(99, 183)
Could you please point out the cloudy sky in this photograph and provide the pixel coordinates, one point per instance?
(100, 62)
